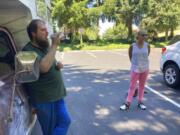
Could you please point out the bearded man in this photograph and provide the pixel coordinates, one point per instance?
(46, 95)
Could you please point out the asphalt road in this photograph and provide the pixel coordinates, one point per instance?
(97, 82)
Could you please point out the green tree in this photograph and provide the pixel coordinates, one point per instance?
(71, 14)
(74, 15)
(116, 32)
(155, 15)
(124, 11)
(41, 9)
(162, 16)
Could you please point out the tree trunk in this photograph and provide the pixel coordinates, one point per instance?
(97, 3)
(98, 37)
(129, 25)
(166, 35)
(172, 32)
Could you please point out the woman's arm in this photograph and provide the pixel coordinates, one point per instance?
(149, 49)
(130, 52)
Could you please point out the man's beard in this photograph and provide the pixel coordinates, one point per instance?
(42, 43)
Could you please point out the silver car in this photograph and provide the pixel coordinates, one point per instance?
(170, 64)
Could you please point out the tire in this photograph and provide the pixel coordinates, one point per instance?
(171, 75)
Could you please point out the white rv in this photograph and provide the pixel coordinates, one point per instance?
(16, 117)
(16, 14)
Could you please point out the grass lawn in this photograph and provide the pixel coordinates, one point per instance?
(176, 32)
(94, 46)
(110, 45)
(103, 46)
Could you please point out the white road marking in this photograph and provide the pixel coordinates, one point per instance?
(163, 96)
(120, 53)
(91, 54)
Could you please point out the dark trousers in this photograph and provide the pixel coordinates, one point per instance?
(53, 117)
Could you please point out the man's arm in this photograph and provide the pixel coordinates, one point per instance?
(47, 61)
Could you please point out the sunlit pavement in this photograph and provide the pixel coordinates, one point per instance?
(97, 82)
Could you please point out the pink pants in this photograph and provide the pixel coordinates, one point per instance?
(142, 80)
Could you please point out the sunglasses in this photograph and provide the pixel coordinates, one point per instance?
(144, 35)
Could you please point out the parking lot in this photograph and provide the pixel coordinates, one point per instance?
(97, 82)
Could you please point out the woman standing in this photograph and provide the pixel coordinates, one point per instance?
(138, 55)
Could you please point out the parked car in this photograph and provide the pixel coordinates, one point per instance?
(16, 117)
(170, 64)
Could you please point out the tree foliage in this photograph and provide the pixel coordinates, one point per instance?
(71, 13)
(162, 16)
(155, 15)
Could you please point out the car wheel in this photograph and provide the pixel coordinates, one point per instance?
(171, 75)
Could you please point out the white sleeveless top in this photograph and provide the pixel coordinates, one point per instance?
(139, 60)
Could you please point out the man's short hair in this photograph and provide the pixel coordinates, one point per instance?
(32, 27)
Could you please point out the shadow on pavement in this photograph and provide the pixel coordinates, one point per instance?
(93, 101)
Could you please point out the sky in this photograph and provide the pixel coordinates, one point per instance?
(103, 26)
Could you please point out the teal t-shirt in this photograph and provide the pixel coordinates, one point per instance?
(50, 86)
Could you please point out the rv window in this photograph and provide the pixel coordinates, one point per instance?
(6, 54)
(49, 16)
(3, 48)
(41, 9)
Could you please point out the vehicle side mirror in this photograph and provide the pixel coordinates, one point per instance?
(26, 67)
(26, 70)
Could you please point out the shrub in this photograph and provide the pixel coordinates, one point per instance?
(90, 34)
(116, 32)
